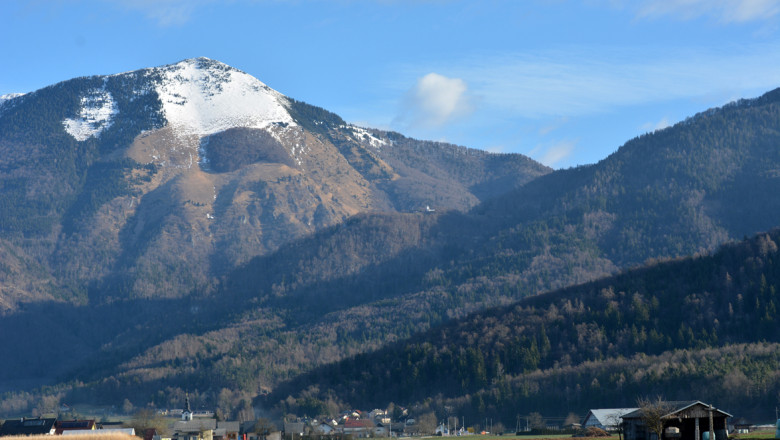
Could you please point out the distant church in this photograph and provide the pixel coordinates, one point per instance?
(186, 415)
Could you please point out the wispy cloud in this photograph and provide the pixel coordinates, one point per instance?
(165, 12)
(552, 155)
(654, 126)
(551, 127)
(726, 11)
(579, 81)
(434, 101)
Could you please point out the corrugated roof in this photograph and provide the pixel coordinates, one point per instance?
(677, 406)
(608, 416)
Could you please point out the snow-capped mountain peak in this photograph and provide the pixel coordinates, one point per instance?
(198, 96)
(202, 97)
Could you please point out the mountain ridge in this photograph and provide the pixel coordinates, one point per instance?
(224, 158)
(263, 267)
(615, 337)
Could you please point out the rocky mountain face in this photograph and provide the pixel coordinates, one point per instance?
(154, 183)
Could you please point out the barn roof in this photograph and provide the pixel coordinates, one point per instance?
(27, 426)
(608, 416)
(678, 407)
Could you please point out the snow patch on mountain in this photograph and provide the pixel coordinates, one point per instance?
(202, 97)
(298, 147)
(9, 96)
(96, 114)
(5, 99)
(364, 136)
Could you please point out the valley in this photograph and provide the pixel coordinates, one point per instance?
(270, 251)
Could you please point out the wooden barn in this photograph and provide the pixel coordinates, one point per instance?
(683, 421)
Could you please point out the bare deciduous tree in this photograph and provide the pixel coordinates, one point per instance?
(427, 423)
(147, 418)
(653, 413)
(536, 421)
(571, 419)
(615, 423)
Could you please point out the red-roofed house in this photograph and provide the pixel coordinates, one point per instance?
(359, 427)
(72, 425)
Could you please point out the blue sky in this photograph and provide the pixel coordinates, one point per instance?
(565, 82)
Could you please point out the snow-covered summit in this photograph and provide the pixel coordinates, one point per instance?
(202, 97)
(198, 96)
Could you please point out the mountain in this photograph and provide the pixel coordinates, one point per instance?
(169, 259)
(377, 279)
(674, 192)
(154, 183)
(697, 327)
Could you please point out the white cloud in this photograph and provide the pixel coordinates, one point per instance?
(727, 11)
(554, 154)
(434, 101)
(660, 125)
(578, 81)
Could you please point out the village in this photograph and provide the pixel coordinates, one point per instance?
(688, 420)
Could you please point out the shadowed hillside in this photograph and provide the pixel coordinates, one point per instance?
(244, 275)
(703, 327)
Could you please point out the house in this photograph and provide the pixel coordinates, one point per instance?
(61, 426)
(27, 427)
(199, 429)
(227, 430)
(253, 430)
(259, 430)
(110, 425)
(607, 419)
(205, 429)
(126, 431)
(296, 427)
(383, 430)
(442, 429)
(689, 420)
(358, 428)
(324, 428)
(151, 434)
(411, 428)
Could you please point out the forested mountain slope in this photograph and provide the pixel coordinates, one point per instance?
(698, 327)
(677, 191)
(126, 198)
(262, 263)
(156, 182)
